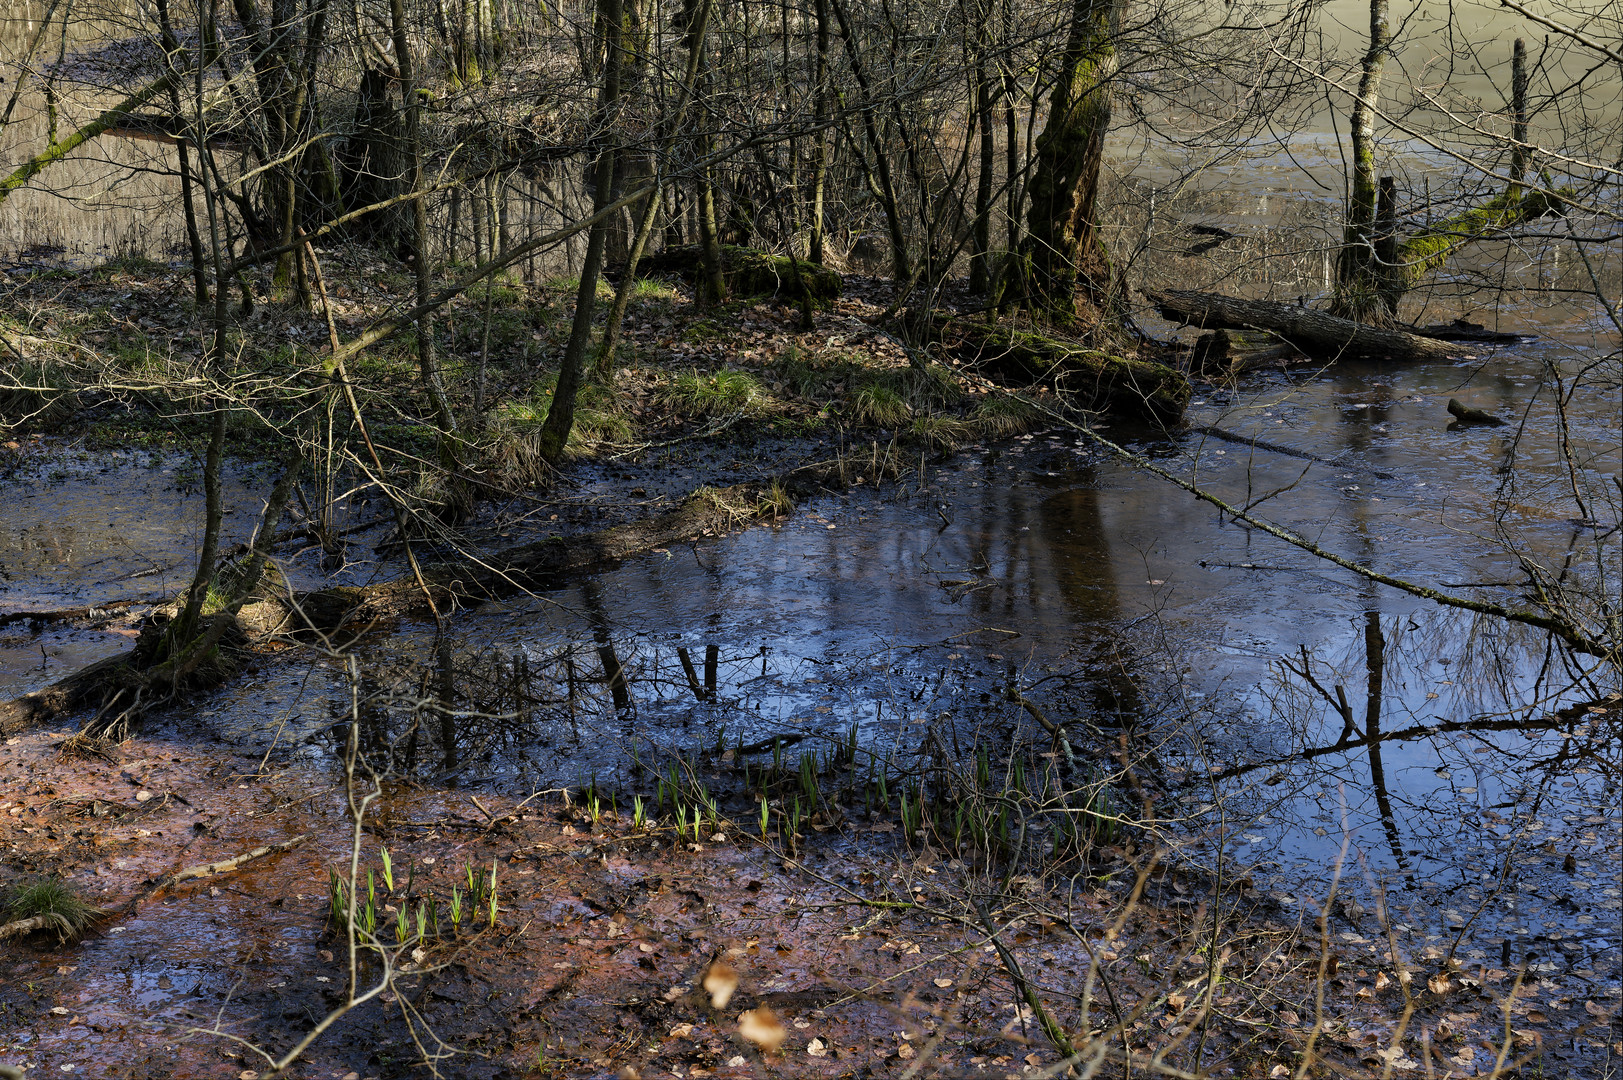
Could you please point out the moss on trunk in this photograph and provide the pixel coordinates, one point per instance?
(1084, 377)
(1066, 272)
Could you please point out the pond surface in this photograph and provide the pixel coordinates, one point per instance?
(1463, 793)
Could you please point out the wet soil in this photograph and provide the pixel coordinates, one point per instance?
(865, 949)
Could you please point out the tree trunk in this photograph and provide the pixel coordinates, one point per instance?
(444, 418)
(1068, 275)
(561, 414)
(980, 260)
(645, 229)
(820, 91)
(1358, 293)
(1313, 332)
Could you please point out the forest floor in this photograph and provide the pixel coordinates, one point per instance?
(867, 949)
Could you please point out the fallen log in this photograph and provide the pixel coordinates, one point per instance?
(749, 272)
(222, 866)
(1088, 378)
(349, 611)
(63, 696)
(1312, 331)
(1464, 414)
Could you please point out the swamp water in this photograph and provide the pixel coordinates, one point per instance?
(1483, 814)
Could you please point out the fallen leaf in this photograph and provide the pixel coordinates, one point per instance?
(905, 1051)
(1439, 984)
(60, 1010)
(1279, 1070)
(682, 1031)
(720, 981)
(817, 1048)
(943, 983)
(1381, 980)
(761, 1027)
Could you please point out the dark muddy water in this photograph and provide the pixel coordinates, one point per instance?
(1108, 596)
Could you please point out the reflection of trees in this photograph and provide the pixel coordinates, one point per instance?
(1569, 752)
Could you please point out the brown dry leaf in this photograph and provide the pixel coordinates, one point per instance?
(720, 981)
(1033, 1060)
(905, 1051)
(1439, 984)
(1177, 1001)
(1364, 993)
(1444, 1030)
(1381, 980)
(817, 1048)
(1289, 1017)
(1536, 1017)
(761, 1027)
(1279, 1070)
(943, 983)
(682, 1031)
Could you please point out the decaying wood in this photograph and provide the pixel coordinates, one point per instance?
(223, 866)
(63, 696)
(1312, 331)
(26, 926)
(1464, 414)
(53, 615)
(1234, 352)
(1089, 378)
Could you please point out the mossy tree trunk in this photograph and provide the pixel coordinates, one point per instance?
(1359, 294)
(561, 414)
(1067, 272)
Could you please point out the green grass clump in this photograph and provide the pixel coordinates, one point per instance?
(1004, 414)
(941, 432)
(880, 406)
(720, 393)
(54, 902)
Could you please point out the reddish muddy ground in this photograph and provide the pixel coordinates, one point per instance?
(867, 953)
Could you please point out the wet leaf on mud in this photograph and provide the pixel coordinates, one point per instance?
(905, 1051)
(817, 1048)
(682, 1031)
(1439, 984)
(943, 983)
(60, 1010)
(761, 1027)
(720, 981)
(1381, 980)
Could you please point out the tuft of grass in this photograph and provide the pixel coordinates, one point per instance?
(941, 432)
(880, 406)
(1006, 414)
(54, 904)
(775, 502)
(718, 394)
(654, 291)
